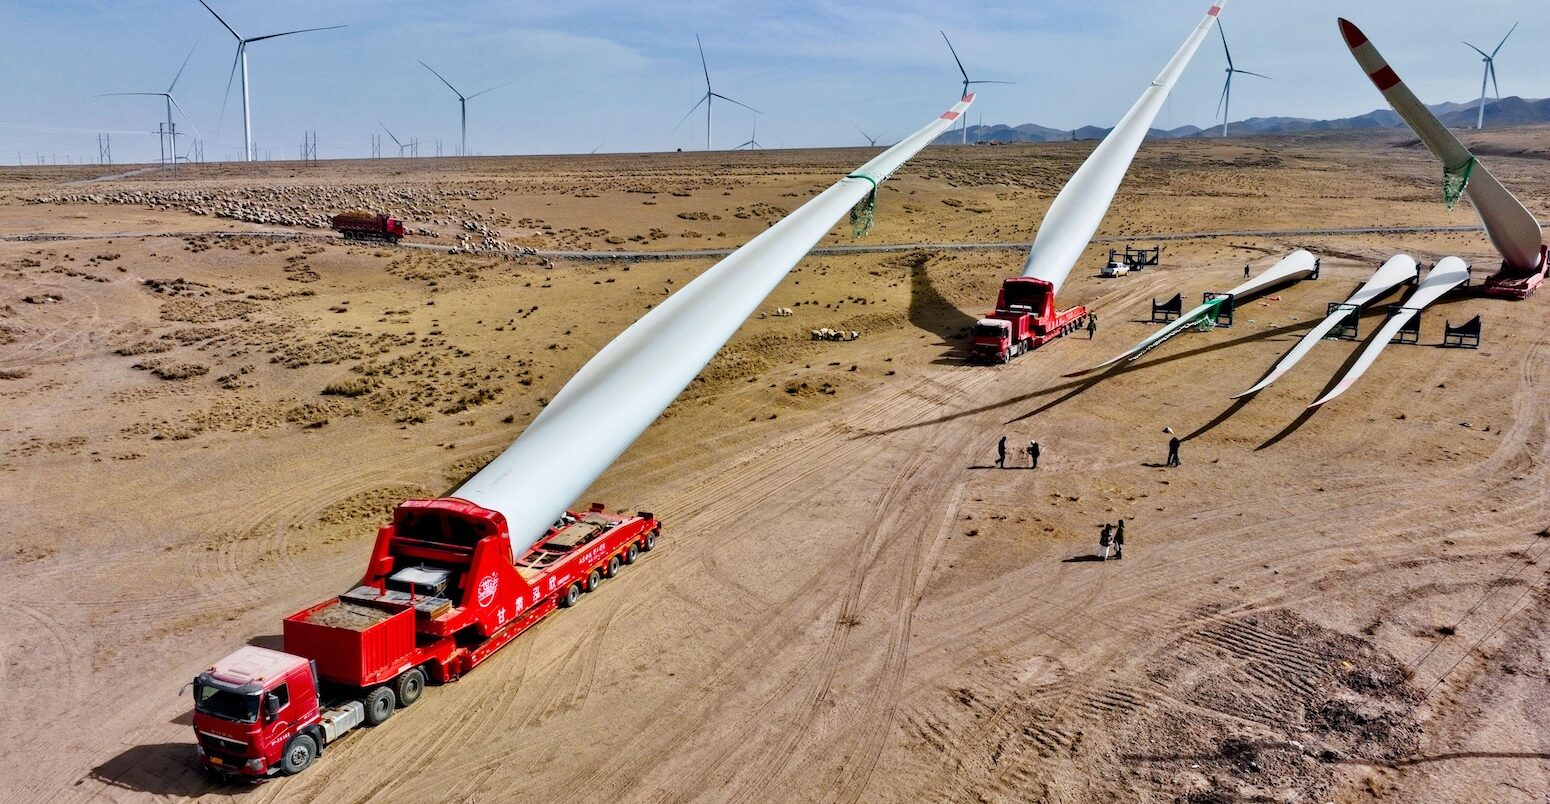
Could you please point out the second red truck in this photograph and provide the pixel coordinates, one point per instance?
(442, 592)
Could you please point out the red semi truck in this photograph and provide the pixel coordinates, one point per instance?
(368, 226)
(442, 592)
(1025, 318)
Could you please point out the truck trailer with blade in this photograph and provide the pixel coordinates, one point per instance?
(442, 592)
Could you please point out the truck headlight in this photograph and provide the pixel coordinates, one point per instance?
(199, 752)
(255, 764)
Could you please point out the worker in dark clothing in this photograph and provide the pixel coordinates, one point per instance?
(1173, 451)
(1105, 538)
(1092, 325)
(1033, 454)
(1119, 541)
(1245, 270)
(1001, 453)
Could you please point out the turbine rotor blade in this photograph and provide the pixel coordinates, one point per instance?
(703, 99)
(1225, 49)
(1504, 40)
(1223, 99)
(443, 80)
(116, 94)
(954, 51)
(703, 65)
(1478, 50)
(175, 78)
(186, 118)
(1495, 87)
(739, 103)
(288, 33)
(390, 135)
(1256, 75)
(491, 89)
(992, 82)
(219, 121)
(222, 21)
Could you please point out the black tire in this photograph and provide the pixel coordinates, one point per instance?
(299, 753)
(613, 567)
(631, 553)
(649, 542)
(409, 686)
(593, 579)
(380, 704)
(571, 596)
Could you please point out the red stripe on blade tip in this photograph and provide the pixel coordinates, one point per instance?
(1385, 78)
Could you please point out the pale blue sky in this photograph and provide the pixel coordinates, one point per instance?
(621, 74)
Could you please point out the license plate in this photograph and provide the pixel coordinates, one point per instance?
(216, 761)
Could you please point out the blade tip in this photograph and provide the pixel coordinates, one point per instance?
(1353, 35)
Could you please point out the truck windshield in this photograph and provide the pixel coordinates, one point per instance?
(225, 704)
(988, 331)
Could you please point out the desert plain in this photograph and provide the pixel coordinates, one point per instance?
(209, 402)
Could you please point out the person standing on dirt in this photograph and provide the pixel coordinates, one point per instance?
(1105, 538)
(1246, 270)
(1173, 450)
(1092, 325)
(1119, 541)
(1001, 453)
(1033, 454)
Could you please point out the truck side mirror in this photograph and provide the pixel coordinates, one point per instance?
(271, 707)
(185, 688)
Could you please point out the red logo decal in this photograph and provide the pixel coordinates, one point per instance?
(487, 590)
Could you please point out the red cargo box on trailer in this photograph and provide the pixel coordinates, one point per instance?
(353, 644)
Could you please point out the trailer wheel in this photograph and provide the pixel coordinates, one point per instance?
(380, 704)
(409, 686)
(632, 553)
(593, 580)
(650, 542)
(613, 567)
(571, 596)
(299, 753)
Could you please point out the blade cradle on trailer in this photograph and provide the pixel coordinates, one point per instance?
(618, 393)
(1079, 208)
(1399, 269)
(1510, 226)
(1447, 275)
(1293, 267)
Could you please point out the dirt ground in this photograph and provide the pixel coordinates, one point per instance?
(199, 435)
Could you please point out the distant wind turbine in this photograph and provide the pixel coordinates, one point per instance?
(966, 81)
(753, 140)
(1224, 106)
(1490, 73)
(401, 146)
(172, 103)
(242, 59)
(871, 141)
(710, 94)
(462, 102)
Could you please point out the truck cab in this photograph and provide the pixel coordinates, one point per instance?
(1025, 318)
(255, 713)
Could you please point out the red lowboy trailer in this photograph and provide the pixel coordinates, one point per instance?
(1025, 318)
(441, 593)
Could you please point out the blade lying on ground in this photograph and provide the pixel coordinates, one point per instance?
(1512, 228)
(1297, 265)
(1399, 269)
(1447, 275)
(1077, 211)
(627, 385)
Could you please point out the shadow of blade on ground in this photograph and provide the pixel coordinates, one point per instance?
(1310, 412)
(1081, 385)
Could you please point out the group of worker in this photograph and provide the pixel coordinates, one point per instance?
(1033, 450)
(1111, 537)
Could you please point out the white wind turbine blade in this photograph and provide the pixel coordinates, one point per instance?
(691, 111)
(221, 20)
(183, 66)
(186, 118)
(443, 80)
(1445, 276)
(390, 135)
(288, 33)
(1400, 268)
(739, 103)
(1510, 226)
(1504, 41)
(491, 89)
(1077, 211)
(627, 385)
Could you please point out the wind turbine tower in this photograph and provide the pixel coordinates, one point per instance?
(242, 59)
(1490, 73)
(1224, 106)
(709, 96)
(966, 82)
(462, 103)
(172, 103)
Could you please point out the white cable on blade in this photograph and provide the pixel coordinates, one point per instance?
(1079, 208)
(627, 385)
